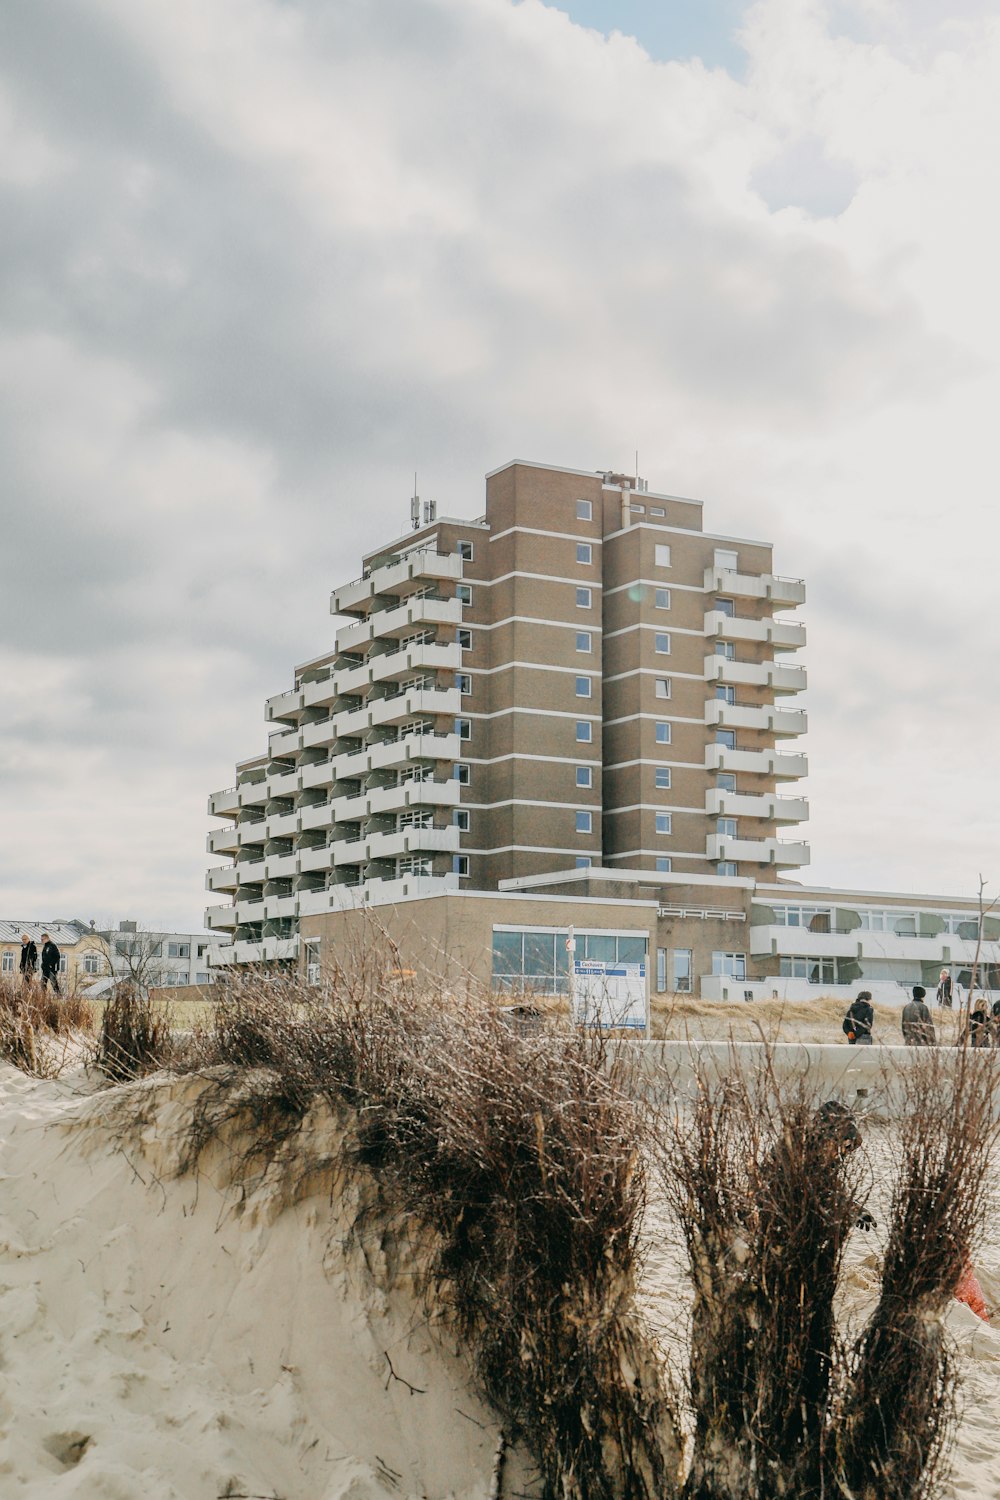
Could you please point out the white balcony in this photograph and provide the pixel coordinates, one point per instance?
(781, 722)
(268, 950)
(349, 852)
(286, 784)
(277, 907)
(314, 903)
(222, 878)
(418, 566)
(772, 763)
(318, 774)
(755, 851)
(768, 805)
(429, 793)
(225, 804)
(786, 593)
(283, 706)
(311, 860)
(282, 825)
(774, 941)
(413, 841)
(320, 733)
(416, 703)
(781, 635)
(254, 793)
(384, 892)
(783, 593)
(220, 918)
(281, 866)
(224, 840)
(763, 674)
(415, 614)
(251, 911)
(414, 747)
(284, 742)
(351, 764)
(252, 872)
(430, 656)
(320, 816)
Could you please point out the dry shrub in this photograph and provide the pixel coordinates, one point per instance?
(522, 1155)
(30, 1017)
(766, 1186)
(135, 1036)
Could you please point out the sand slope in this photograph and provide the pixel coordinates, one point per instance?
(159, 1339)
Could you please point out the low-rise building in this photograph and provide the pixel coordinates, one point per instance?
(79, 947)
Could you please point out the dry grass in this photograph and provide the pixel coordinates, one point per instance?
(517, 1158)
(135, 1036)
(682, 1018)
(766, 1186)
(33, 1020)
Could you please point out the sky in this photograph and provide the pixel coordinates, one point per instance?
(263, 259)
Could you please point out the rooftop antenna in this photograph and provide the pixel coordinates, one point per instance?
(415, 505)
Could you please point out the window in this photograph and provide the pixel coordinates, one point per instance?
(203, 979)
(526, 959)
(730, 965)
(464, 549)
(584, 822)
(663, 778)
(461, 773)
(419, 818)
(662, 555)
(662, 645)
(178, 950)
(464, 592)
(662, 598)
(584, 553)
(663, 687)
(584, 510)
(726, 868)
(583, 640)
(816, 970)
(583, 598)
(7, 963)
(584, 731)
(726, 827)
(661, 970)
(582, 862)
(727, 561)
(464, 638)
(657, 510)
(463, 728)
(583, 687)
(662, 733)
(663, 822)
(663, 864)
(460, 818)
(201, 950)
(91, 963)
(725, 607)
(463, 682)
(725, 649)
(683, 970)
(725, 694)
(584, 776)
(460, 864)
(726, 738)
(412, 773)
(726, 781)
(414, 864)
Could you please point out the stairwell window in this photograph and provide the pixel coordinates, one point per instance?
(583, 687)
(464, 550)
(463, 681)
(583, 598)
(464, 593)
(461, 820)
(584, 553)
(584, 776)
(584, 510)
(584, 731)
(463, 728)
(662, 643)
(663, 822)
(584, 640)
(662, 555)
(583, 862)
(662, 732)
(584, 822)
(662, 598)
(663, 778)
(462, 773)
(460, 865)
(664, 687)
(663, 864)
(464, 638)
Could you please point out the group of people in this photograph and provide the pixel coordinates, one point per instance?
(50, 957)
(982, 1028)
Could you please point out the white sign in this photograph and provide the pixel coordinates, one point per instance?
(609, 995)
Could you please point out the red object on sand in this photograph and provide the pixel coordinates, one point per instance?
(971, 1293)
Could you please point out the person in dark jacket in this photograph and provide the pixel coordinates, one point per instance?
(50, 963)
(29, 958)
(918, 1028)
(944, 989)
(977, 1033)
(859, 1020)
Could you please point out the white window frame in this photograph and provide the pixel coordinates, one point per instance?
(661, 643)
(460, 818)
(587, 773)
(463, 681)
(584, 820)
(585, 554)
(664, 864)
(584, 597)
(463, 728)
(661, 599)
(587, 639)
(460, 866)
(662, 778)
(664, 687)
(663, 732)
(664, 822)
(464, 550)
(585, 510)
(463, 773)
(464, 638)
(729, 965)
(463, 592)
(584, 687)
(661, 554)
(584, 732)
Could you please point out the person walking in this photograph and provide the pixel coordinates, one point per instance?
(29, 959)
(918, 1028)
(977, 1032)
(50, 963)
(944, 996)
(859, 1019)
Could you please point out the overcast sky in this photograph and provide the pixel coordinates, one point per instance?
(262, 259)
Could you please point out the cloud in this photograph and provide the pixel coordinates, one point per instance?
(266, 259)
